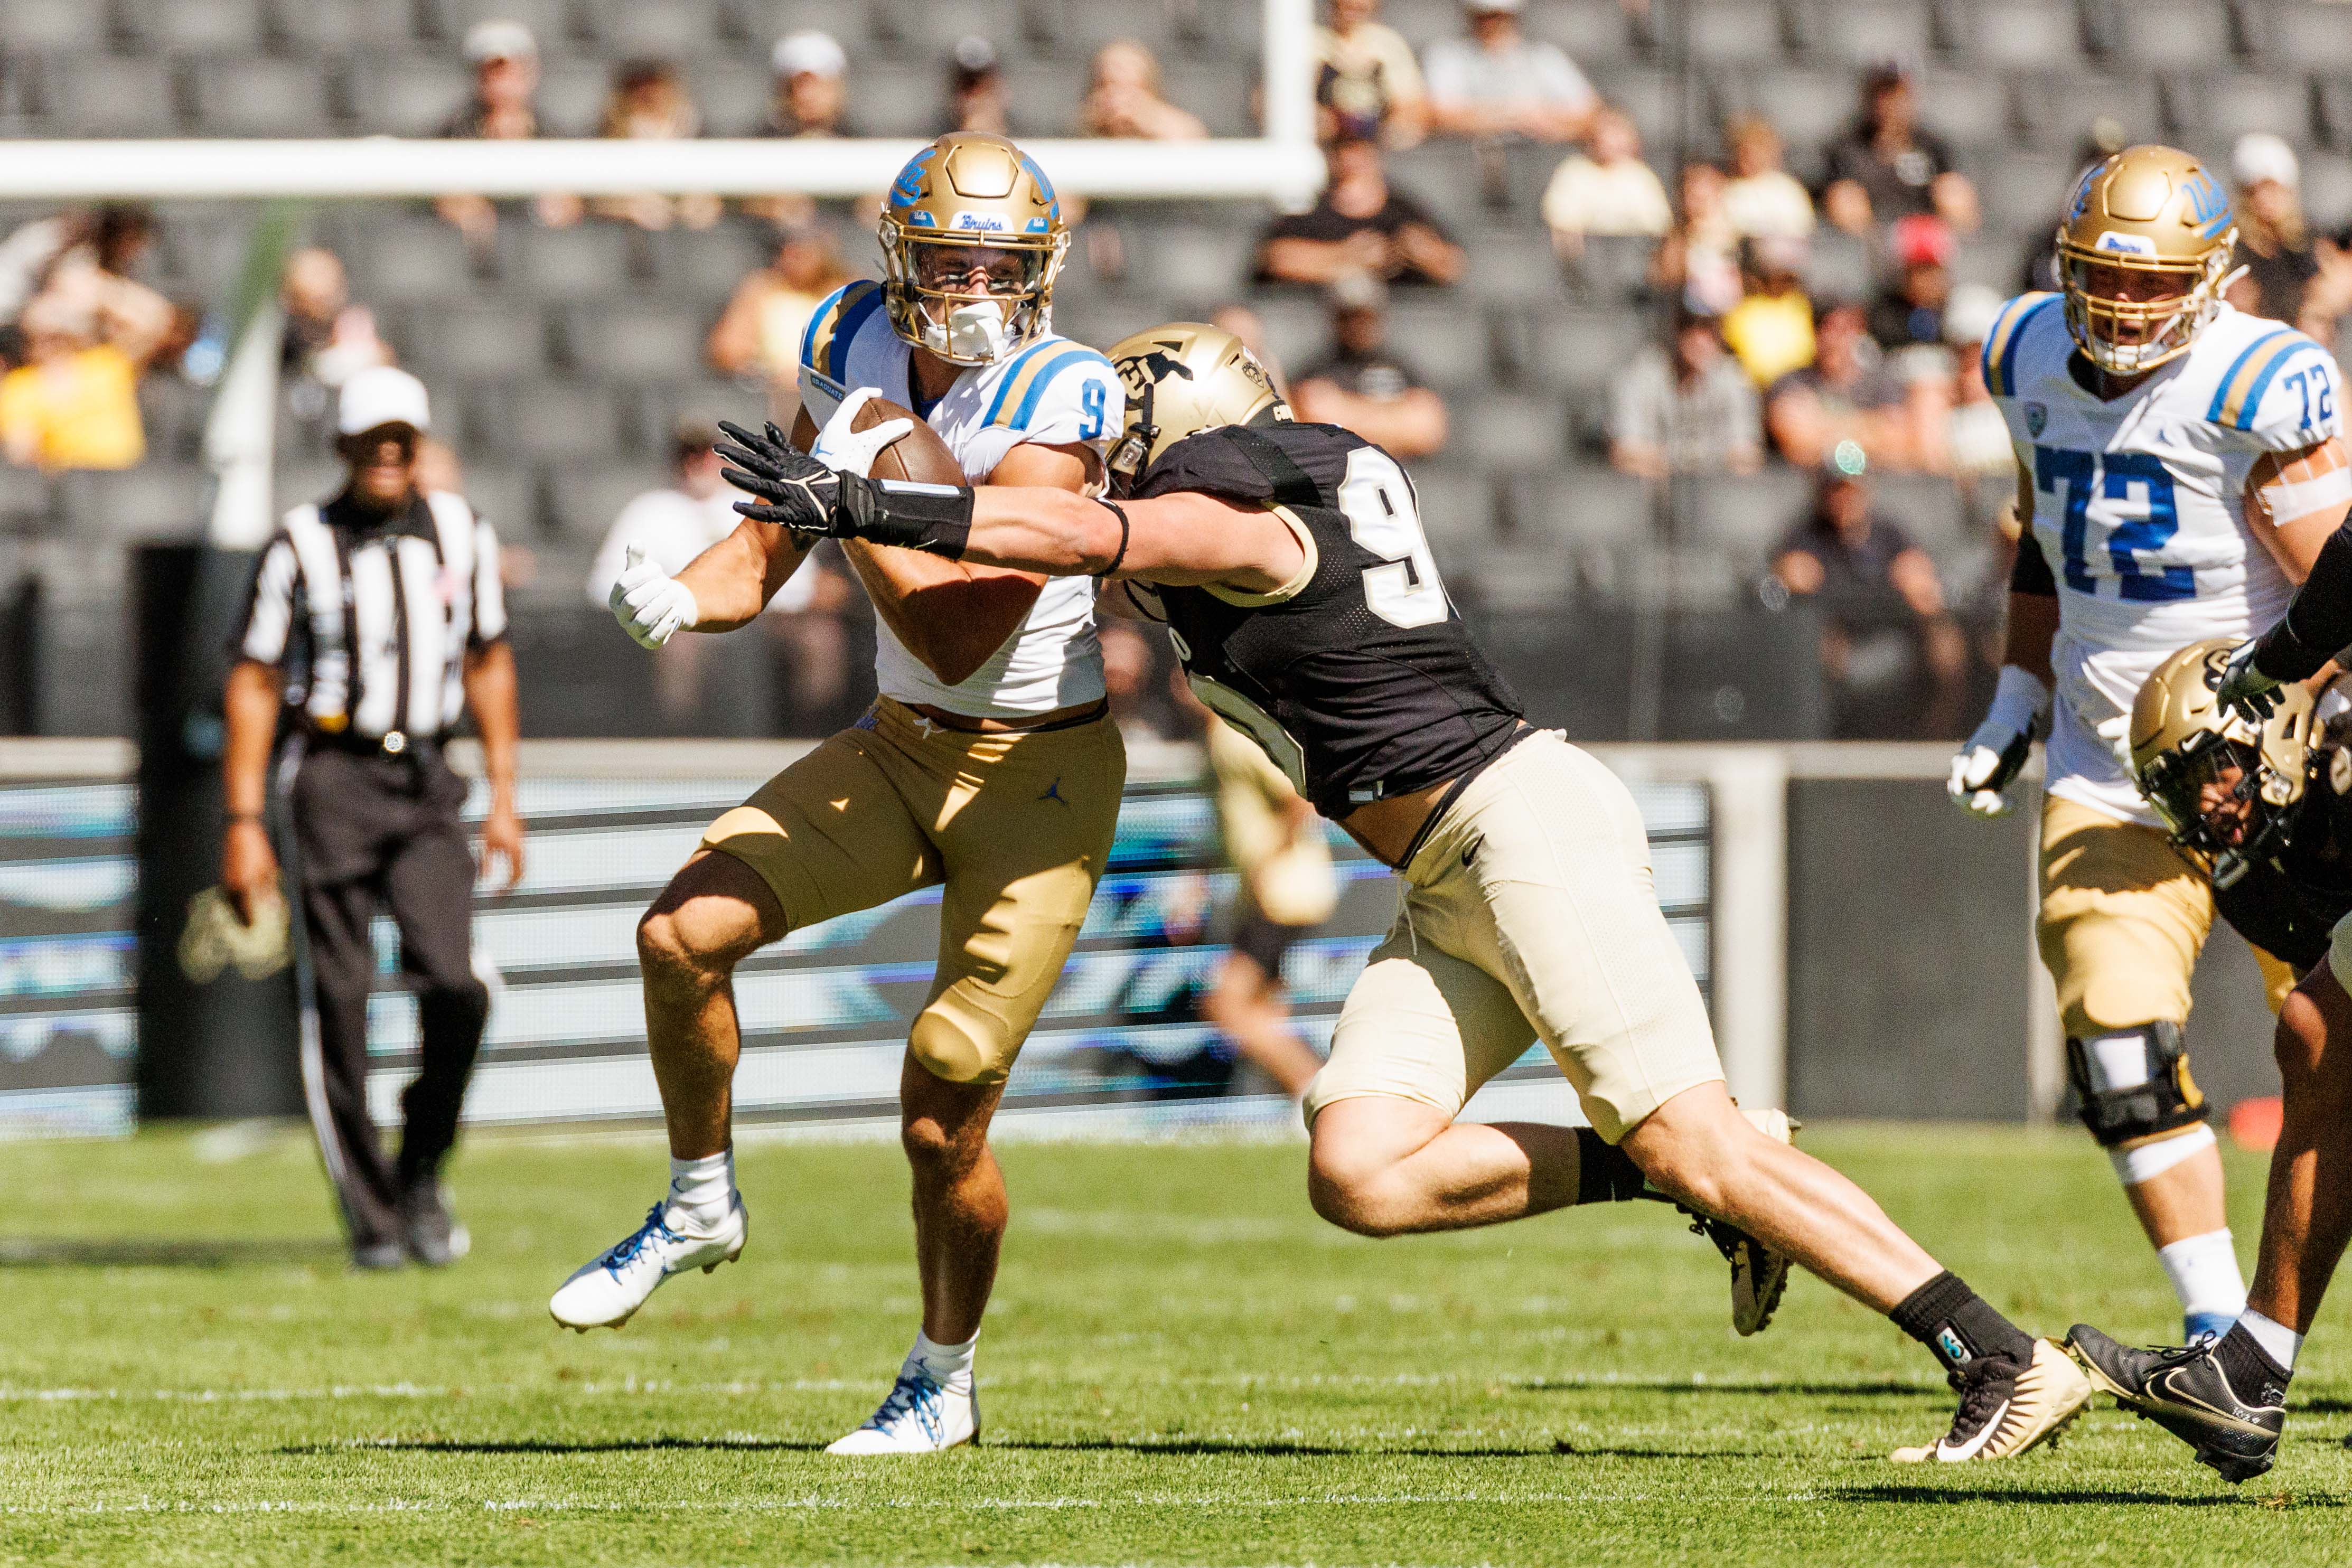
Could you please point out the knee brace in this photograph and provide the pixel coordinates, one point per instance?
(2133, 1085)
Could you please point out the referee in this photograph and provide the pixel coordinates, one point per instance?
(375, 619)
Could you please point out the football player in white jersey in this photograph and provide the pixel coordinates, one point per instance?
(2179, 465)
(989, 765)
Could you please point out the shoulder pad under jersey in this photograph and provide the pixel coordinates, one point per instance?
(2280, 389)
(2002, 345)
(1057, 393)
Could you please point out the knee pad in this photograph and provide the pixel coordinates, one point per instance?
(961, 1048)
(2134, 1083)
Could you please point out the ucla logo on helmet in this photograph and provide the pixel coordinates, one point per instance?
(980, 223)
(2209, 206)
(2120, 244)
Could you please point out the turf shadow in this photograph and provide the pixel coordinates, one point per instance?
(1946, 1496)
(1809, 1390)
(544, 1446)
(1567, 1449)
(156, 1252)
(1236, 1447)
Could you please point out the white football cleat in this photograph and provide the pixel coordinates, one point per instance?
(921, 1416)
(2007, 1409)
(607, 1292)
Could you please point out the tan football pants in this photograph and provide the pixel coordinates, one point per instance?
(1017, 827)
(2122, 919)
(1530, 914)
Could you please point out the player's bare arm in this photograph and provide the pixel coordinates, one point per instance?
(2303, 497)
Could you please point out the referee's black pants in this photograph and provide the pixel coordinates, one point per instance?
(379, 832)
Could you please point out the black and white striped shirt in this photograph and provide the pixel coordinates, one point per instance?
(371, 617)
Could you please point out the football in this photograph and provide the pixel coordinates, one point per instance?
(919, 456)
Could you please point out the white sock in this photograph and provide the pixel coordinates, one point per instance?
(2278, 1342)
(702, 1191)
(2204, 1272)
(950, 1365)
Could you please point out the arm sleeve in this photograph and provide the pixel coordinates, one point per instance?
(269, 622)
(490, 588)
(2030, 572)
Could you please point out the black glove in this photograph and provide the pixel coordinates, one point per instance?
(796, 490)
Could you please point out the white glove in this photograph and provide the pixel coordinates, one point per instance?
(651, 605)
(2245, 688)
(1992, 757)
(848, 451)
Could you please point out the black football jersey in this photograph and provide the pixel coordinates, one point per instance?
(2288, 905)
(1360, 681)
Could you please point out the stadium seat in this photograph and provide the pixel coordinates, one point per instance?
(2334, 106)
(1578, 349)
(334, 25)
(680, 30)
(586, 261)
(407, 96)
(658, 406)
(1424, 22)
(506, 497)
(1862, 35)
(1045, 98)
(1443, 175)
(171, 412)
(633, 342)
(157, 500)
(895, 99)
(27, 500)
(2056, 111)
(849, 21)
(1808, 108)
(2222, 108)
(205, 26)
(1721, 32)
(56, 26)
(1739, 519)
(2028, 35)
(1925, 507)
(2311, 36)
(2327, 193)
(1590, 31)
(1967, 110)
(550, 21)
(1219, 94)
(1443, 341)
(733, 94)
(931, 29)
(704, 266)
(410, 256)
(1457, 506)
(1511, 432)
(1587, 504)
(99, 96)
(1194, 261)
(1512, 267)
(1611, 268)
(1523, 574)
(1652, 100)
(262, 98)
(300, 479)
(584, 497)
(571, 94)
(2161, 34)
(465, 341)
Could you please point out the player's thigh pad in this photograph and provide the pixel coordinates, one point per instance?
(1540, 875)
(1025, 824)
(831, 834)
(2123, 917)
(1421, 1025)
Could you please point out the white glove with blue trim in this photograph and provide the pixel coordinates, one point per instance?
(1991, 759)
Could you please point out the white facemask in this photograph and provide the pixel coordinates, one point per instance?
(976, 332)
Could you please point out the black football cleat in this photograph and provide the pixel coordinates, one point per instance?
(2186, 1392)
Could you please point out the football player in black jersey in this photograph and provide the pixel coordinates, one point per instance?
(1290, 565)
(2263, 802)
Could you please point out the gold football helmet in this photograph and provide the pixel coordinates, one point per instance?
(973, 238)
(2226, 788)
(1181, 378)
(2143, 254)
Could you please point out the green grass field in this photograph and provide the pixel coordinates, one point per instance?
(1183, 1365)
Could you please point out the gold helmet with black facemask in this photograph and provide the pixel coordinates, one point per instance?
(2144, 254)
(2227, 788)
(1183, 377)
(972, 238)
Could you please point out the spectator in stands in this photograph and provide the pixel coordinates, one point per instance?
(1367, 82)
(1763, 200)
(977, 99)
(2290, 275)
(1894, 659)
(1498, 84)
(1123, 100)
(1360, 224)
(1847, 393)
(504, 107)
(1976, 447)
(74, 404)
(1910, 309)
(1886, 167)
(327, 338)
(672, 524)
(649, 102)
(811, 96)
(1698, 258)
(760, 334)
(1606, 189)
(1772, 329)
(91, 276)
(1690, 410)
(1360, 385)
(1249, 327)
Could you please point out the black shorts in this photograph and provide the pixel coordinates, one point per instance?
(1263, 941)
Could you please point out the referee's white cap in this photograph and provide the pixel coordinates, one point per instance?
(381, 394)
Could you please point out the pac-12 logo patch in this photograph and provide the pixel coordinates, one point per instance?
(2036, 417)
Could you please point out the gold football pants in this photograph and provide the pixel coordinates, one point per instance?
(2122, 919)
(1015, 826)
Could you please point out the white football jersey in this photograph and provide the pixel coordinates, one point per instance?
(1055, 393)
(2139, 510)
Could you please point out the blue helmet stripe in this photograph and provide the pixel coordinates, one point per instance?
(2221, 393)
(854, 315)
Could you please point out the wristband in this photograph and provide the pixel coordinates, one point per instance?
(230, 818)
(1124, 533)
(933, 519)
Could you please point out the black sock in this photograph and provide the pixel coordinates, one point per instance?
(1957, 1324)
(2248, 1366)
(1604, 1173)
